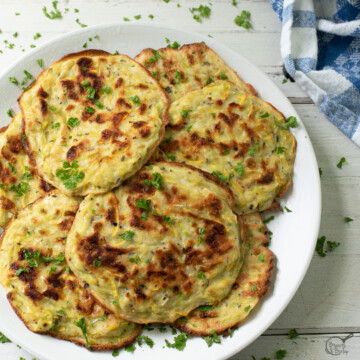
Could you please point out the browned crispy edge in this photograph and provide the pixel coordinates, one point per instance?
(94, 52)
(204, 47)
(265, 288)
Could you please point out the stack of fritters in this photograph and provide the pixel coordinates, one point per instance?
(169, 229)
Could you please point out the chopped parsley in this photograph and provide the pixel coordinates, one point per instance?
(149, 342)
(341, 162)
(33, 258)
(171, 156)
(204, 308)
(9, 112)
(20, 189)
(234, 3)
(89, 109)
(151, 16)
(70, 175)
(348, 219)
(209, 80)
(201, 231)
(175, 45)
(55, 126)
(12, 169)
(27, 175)
(239, 169)
(3, 339)
(137, 17)
(135, 100)
(157, 181)
(130, 348)
(287, 209)
(247, 308)
(200, 12)
(269, 219)
(167, 140)
(291, 122)
(220, 176)
(332, 245)
(320, 172)
(284, 81)
(293, 334)
(254, 288)
(59, 260)
(167, 219)
(13, 80)
(99, 104)
(72, 122)
(214, 338)
(280, 149)
(280, 354)
(127, 235)
(226, 152)
(115, 353)
(261, 258)
(52, 108)
(188, 128)
(201, 275)
(243, 20)
(78, 22)
(320, 246)
(82, 325)
(54, 14)
(179, 342)
(18, 272)
(143, 204)
(252, 149)
(126, 19)
(36, 36)
(97, 263)
(153, 58)
(52, 270)
(222, 76)
(105, 89)
(184, 113)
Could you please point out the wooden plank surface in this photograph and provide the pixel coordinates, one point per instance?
(325, 309)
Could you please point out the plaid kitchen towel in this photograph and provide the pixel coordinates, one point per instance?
(320, 45)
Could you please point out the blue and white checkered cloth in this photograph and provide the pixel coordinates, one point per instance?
(320, 45)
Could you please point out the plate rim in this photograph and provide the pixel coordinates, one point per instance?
(318, 199)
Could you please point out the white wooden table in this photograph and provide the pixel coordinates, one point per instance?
(325, 310)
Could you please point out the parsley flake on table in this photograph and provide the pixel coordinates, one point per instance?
(287, 209)
(70, 175)
(126, 19)
(293, 334)
(36, 36)
(115, 353)
(149, 342)
(233, 3)
(13, 80)
(151, 16)
(348, 219)
(200, 12)
(280, 354)
(341, 162)
(284, 81)
(54, 14)
(79, 23)
(40, 62)
(332, 245)
(243, 20)
(9, 112)
(320, 172)
(15, 35)
(175, 45)
(320, 246)
(179, 342)
(82, 325)
(137, 17)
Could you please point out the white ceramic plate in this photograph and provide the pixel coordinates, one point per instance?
(295, 233)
